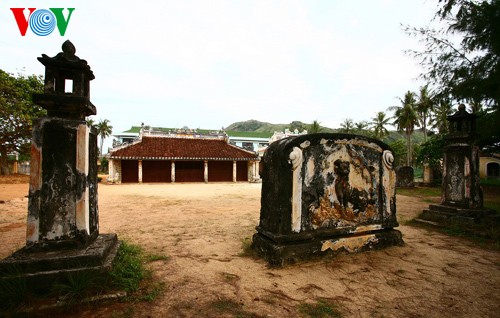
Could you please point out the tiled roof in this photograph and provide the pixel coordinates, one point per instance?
(167, 148)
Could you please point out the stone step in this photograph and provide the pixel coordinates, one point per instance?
(26, 261)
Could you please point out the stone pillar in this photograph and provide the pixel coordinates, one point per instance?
(117, 177)
(62, 232)
(428, 175)
(172, 170)
(63, 156)
(234, 171)
(111, 170)
(461, 193)
(140, 170)
(205, 171)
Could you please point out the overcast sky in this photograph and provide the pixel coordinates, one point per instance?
(207, 64)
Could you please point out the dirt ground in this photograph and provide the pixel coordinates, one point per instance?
(201, 228)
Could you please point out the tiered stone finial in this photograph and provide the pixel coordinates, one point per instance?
(67, 85)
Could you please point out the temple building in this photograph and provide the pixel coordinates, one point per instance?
(181, 157)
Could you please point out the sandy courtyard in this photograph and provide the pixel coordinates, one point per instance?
(201, 228)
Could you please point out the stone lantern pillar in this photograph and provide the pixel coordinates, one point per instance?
(63, 228)
(461, 194)
(63, 184)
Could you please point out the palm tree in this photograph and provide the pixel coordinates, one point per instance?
(406, 118)
(361, 126)
(347, 126)
(104, 130)
(425, 104)
(315, 127)
(442, 110)
(378, 124)
(90, 122)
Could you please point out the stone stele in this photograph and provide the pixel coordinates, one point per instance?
(324, 194)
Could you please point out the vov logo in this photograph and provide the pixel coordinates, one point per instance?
(42, 22)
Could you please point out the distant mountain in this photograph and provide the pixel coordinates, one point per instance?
(255, 128)
(253, 125)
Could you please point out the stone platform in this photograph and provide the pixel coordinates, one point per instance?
(42, 268)
(281, 251)
(445, 215)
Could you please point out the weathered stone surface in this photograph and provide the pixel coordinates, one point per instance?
(62, 235)
(66, 69)
(62, 200)
(323, 187)
(461, 193)
(43, 268)
(405, 177)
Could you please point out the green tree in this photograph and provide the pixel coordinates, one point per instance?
(442, 110)
(297, 125)
(425, 105)
(431, 151)
(378, 125)
(104, 129)
(90, 122)
(347, 126)
(405, 119)
(315, 127)
(17, 112)
(462, 59)
(399, 150)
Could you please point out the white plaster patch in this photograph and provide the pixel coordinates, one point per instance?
(82, 146)
(309, 173)
(350, 244)
(296, 161)
(32, 230)
(82, 213)
(366, 228)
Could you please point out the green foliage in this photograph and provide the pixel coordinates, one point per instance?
(422, 192)
(406, 118)
(246, 246)
(347, 126)
(462, 59)
(129, 270)
(314, 127)
(399, 151)
(321, 309)
(251, 134)
(155, 257)
(104, 164)
(425, 105)
(432, 151)
(78, 286)
(379, 122)
(104, 129)
(442, 110)
(17, 112)
(13, 290)
(229, 306)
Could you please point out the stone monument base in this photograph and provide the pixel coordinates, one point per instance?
(445, 215)
(284, 251)
(42, 268)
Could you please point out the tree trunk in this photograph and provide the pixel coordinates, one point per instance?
(102, 142)
(4, 164)
(425, 127)
(408, 154)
